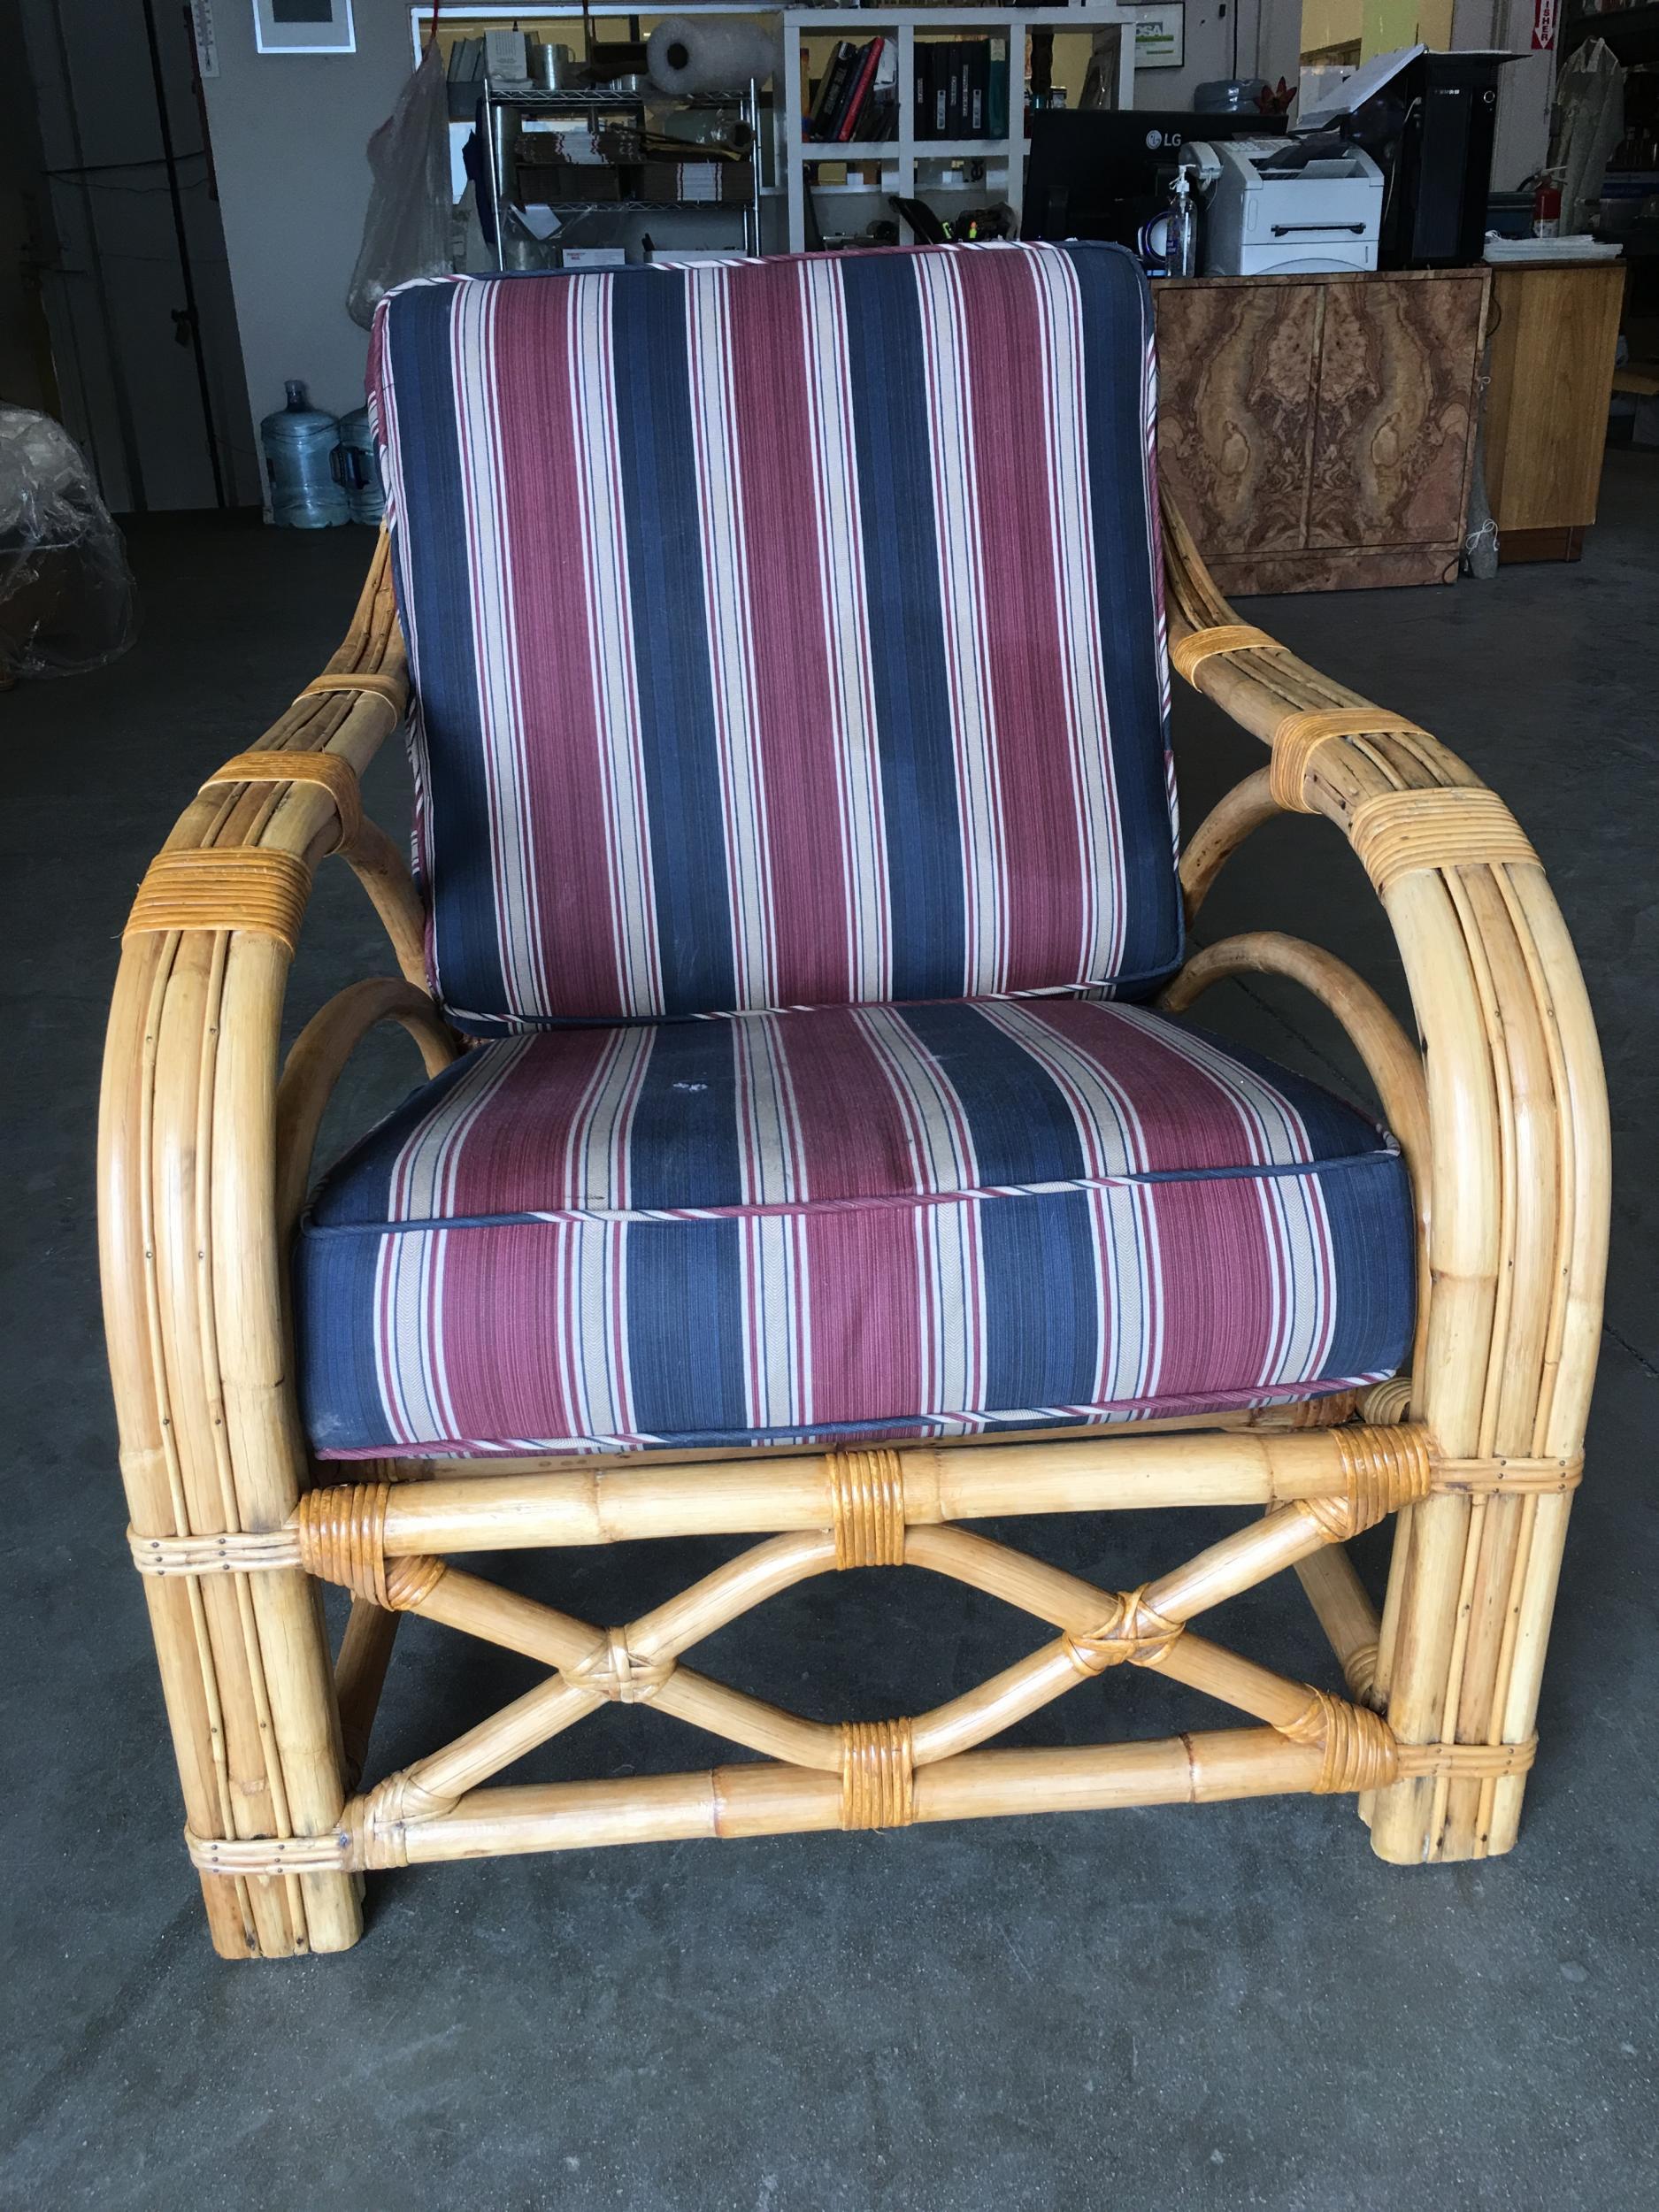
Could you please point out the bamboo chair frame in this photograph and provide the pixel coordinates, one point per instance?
(205, 1157)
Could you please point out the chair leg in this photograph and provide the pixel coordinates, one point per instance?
(1474, 1586)
(249, 1691)
(210, 1443)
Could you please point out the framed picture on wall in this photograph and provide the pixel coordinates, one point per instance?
(1161, 36)
(304, 26)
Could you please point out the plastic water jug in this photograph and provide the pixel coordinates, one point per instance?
(299, 444)
(356, 466)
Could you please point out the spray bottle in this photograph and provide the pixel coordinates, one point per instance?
(1181, 257)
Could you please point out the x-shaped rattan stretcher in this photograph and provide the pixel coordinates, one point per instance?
(879, 1509)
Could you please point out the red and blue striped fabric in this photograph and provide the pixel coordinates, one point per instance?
(784, 633)
(870, 1221)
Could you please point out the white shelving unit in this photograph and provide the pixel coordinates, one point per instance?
(735, 226)
(909, 165)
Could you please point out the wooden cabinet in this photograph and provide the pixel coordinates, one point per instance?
(1555, 336)
(1319, 431)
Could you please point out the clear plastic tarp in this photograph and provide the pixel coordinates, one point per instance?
(406, 230)
(67, 601)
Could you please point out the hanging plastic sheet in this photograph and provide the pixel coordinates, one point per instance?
(67, 601)
(406, 232)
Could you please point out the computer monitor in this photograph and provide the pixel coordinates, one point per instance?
(1101, 172)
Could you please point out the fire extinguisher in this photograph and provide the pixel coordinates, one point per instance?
(1547, 205)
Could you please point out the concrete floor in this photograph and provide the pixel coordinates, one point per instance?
(1234, 2007)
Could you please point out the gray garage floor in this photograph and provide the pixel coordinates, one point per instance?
(1234, 2007)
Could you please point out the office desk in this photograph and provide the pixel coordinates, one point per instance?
(1554, 338)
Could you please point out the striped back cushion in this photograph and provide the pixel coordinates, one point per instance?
(784, 633)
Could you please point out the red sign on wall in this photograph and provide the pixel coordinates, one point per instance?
(1545, 15)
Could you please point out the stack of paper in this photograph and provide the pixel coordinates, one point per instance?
(1581, 247)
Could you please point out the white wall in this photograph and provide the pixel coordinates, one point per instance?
(1526, 88)
(1269, 44)
(289, 133)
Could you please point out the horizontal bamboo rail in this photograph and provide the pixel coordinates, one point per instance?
(766, 1800)
(810, 1491)
(934, 1483)
(727, 1802)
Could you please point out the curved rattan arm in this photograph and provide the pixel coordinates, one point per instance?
(1395, 1069)
(1518, 1195)
(1219, 836)
(316, 1059)
(1389, 1060)
(1387, 1055)
(193, 1263)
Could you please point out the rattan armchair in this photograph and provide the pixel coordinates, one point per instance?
(205, 1160)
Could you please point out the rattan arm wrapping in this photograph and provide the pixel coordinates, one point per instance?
(1517, 1202)
(194, 1267)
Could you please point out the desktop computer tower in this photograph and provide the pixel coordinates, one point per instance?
(1431, 132)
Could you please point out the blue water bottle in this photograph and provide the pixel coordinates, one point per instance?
(358, 467)
(299, 445)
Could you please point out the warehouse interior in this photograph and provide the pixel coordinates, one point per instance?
(1434, 479)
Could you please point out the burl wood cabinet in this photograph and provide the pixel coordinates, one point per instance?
(1319, 431)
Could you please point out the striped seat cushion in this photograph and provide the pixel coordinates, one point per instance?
(900, 1221)
(784, 633)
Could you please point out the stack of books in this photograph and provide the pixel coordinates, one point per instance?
(961, 87)
(465, 73)
(856, 95)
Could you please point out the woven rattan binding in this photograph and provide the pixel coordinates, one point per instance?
(1134, 1633)
(1359, 1747)
(1226, 637)
(376, 1824)
(1386, 1403)
(1467, 1762)
(1385, 1469)
(388, 689)
(243, 887)
(877, 1774)
(1297, 740)
(271, 1854)
(331, 771)
(610, 1669)
(866, 1492)
(236, 1551)
(1362, 1752)
(341, 1532)
(1402, 833)
(1510, 1478)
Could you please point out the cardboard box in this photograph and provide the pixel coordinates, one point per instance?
(549, 183)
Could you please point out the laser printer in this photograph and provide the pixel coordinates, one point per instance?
(1287, 206)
